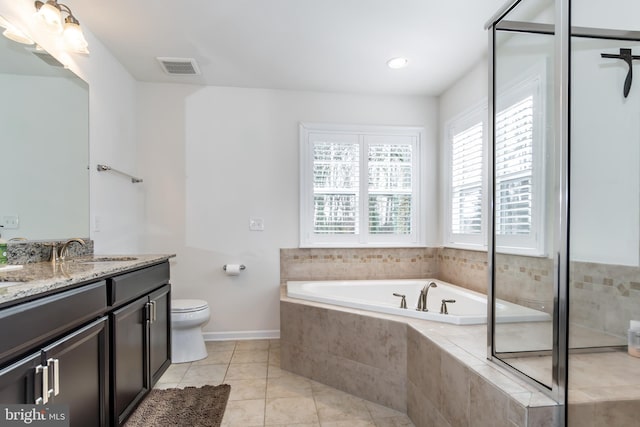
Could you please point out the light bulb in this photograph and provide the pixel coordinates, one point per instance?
(74, 38)
(51, 16)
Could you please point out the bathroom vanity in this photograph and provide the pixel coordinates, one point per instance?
(91, 333)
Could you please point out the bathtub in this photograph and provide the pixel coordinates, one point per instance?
(470, 307)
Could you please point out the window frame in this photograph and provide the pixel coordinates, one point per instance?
(366, 134)
(533, 83)
(467, 119)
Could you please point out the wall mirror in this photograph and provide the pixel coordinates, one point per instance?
(44, 141)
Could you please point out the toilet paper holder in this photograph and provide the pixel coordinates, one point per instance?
(242, 267)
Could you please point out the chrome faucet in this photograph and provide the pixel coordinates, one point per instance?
(422, 299)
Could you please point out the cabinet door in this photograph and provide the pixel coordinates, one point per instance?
(78, 374)
(129, 341)
(20, 383)
(160, 332)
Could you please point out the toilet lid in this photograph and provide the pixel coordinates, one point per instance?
(185, 305)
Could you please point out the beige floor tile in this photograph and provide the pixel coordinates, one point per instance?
(252, 345)
(294, 425)
(250, 356)
(247, 389)
(318, 387)
(274, 343)
(379, 411)
(402, 421)
(204, 374)
(220, 345)
(290, 410)
(246, 371)
(275, 371)
(348, 423)
(174, 373)
(244, 413)
(164, 386)
(340, 406)
(288, 385)
(215, 358)
(274, 356)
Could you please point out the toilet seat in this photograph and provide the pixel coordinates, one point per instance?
(187, 305)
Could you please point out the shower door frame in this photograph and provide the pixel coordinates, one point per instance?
(562, 105)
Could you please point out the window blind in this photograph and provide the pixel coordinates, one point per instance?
(514, 168)
(466, 180)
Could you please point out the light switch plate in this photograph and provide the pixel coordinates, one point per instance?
(256, 224)
(10, 222)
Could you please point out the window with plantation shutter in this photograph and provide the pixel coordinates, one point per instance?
(514, 168)
(518, 173)
(466, 192)
(360, 186)
(519, 168)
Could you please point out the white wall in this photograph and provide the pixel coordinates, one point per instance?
(112, 132)
(214, 156)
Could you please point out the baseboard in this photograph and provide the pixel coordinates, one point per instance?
(241, 335)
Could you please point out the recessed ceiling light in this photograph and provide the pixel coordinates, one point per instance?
(396, 63)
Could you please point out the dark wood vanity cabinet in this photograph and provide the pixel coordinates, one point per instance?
(98, 348)
(140, 336)
(72, 370)
(141, 349)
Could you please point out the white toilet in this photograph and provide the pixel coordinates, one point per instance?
(188, 316)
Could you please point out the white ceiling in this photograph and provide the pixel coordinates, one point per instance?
(320, 45)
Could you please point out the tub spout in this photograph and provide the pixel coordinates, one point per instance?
(422, 299)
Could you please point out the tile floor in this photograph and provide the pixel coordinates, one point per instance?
(264, 395)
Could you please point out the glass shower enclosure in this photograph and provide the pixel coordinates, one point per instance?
(565, 201)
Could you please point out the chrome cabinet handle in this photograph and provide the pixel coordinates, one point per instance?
(45, 384)
(153, 311)
(56, 376)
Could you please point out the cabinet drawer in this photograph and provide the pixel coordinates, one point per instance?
(128, 286)
(27, 325)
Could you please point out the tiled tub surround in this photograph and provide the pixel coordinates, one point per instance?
(436, 373)
(603, 297)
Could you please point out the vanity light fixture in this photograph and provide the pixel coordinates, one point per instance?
(397, 63)
(51, 16)
(12, 33)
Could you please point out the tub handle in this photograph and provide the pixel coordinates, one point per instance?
(403, 301)
(443, 306)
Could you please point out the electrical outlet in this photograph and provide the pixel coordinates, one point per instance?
(10, 222)
(256, 224)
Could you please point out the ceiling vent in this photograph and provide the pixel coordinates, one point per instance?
(179, 66)
(46, 57)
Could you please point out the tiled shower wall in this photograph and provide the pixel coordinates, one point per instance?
(603, 297)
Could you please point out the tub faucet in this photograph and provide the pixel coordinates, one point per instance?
(422, 299)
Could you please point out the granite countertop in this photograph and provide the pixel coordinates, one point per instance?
(43, 277)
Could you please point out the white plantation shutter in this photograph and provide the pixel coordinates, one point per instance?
(514, 169)
(390, 188)
(518, 172)
(360, 186)
(466, 180)
(336, 183)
